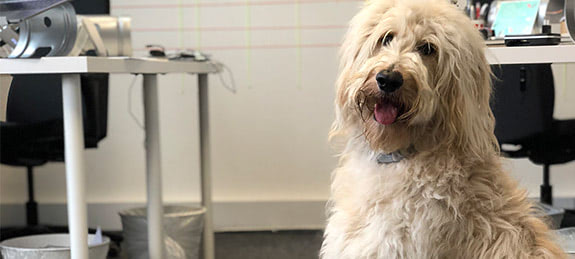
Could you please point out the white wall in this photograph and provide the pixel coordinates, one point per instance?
(269, 139)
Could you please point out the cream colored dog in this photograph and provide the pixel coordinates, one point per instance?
(420, 173)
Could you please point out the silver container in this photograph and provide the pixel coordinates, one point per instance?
(108, 35)
(51, 33)
(566, 238)
(182, 232)
(50, 246)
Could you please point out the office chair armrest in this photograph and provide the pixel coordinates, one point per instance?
(514, 151)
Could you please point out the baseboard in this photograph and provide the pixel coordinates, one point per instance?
(228, 216)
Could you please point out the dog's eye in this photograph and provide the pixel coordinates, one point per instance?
(386, 39)
(426, 49)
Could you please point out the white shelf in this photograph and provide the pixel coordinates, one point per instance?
(60, 65)
(530, 55)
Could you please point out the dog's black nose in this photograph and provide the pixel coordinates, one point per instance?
(389, 81)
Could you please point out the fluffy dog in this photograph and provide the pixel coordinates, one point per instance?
(420, 173)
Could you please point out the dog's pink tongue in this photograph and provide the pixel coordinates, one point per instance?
(385, 113)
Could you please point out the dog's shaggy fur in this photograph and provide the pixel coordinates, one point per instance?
(449, 199)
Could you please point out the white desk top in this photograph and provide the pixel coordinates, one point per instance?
(495, 55)
(49, 65)
(564, 53)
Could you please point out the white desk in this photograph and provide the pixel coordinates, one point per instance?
(500, 54)
(71, 68)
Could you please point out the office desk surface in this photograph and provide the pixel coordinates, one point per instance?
(564, 53)
(61, 65)
(498, 54)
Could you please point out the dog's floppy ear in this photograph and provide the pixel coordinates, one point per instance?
(349, 53)
(464, 87)
(353, 54)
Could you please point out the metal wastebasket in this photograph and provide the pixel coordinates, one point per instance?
(51, 246)
(182, 232)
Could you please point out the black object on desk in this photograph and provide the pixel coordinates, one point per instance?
(523, 107)
(543, 38)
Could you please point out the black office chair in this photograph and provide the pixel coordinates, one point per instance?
(523, 102)
(33, 131)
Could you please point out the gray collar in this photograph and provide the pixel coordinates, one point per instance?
(395, 156)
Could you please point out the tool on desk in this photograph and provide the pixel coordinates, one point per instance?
(38, 28)
(26, 34)
(108, 36)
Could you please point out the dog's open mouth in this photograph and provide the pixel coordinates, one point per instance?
(386, 111)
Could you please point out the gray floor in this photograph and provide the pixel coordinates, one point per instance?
(264, 245)
(300, 244)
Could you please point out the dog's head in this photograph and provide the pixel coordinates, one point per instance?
(414, 73)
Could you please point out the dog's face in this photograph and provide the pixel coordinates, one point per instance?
(413, 73)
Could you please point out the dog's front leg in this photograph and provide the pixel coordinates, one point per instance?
(334, 238)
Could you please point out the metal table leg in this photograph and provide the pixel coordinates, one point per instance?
(75, 167)
(205, 166)
(153, 167)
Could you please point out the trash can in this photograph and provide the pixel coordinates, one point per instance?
(182, 232)
(566, 238)
(51, 246)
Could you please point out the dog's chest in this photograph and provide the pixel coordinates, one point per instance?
(410, 230)
(395, 215)
(405, 228)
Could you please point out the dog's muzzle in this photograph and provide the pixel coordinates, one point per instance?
(387, 109)
(389, 81)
